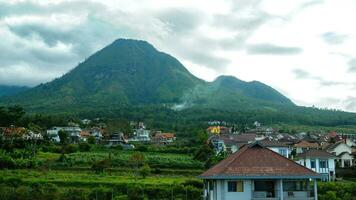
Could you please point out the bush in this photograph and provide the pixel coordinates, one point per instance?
(101, 193)
(100, 166)
(84, 147)
(76, 194)
(71, 148)
(145, 171)
(194, 183)
(6, 162)
(135, 193)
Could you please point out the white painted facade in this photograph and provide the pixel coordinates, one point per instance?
(219, 191)
(72, 131)
(340, 148)
(346, 160)
(284, 151)
(343, 152)
(319, 166)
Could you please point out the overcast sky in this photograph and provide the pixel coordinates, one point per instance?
(306, 49)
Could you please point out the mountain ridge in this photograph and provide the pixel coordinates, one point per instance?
(133, 72)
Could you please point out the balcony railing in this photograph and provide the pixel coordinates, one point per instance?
(288, 195)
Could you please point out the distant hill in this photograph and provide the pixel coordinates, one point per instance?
(132, 72)
(6, 90)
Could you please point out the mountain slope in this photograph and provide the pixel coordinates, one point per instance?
(126, 72)
(254, 89)
(131, 73)
(6, 90)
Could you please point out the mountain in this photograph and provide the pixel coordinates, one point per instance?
(130, 73)
(6, 90)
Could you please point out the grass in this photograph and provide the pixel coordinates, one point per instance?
(89, 178)
(121, 158)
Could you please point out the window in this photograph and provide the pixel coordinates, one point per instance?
(312, 163)
(283, 152)
(323, 164)
(235, 186)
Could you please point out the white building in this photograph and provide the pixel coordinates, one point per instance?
(277, 147)
(343, 153)
(319, 161)
(141, 135)
(258, 173)
(73, 131)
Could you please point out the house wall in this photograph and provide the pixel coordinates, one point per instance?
(277, 150)
(346, 157)
(223, 194)
(331, 166)
(340, 149)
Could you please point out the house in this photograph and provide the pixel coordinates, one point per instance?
(116, 139)
(258, 173)
(231, 142)
(343, 153)
(141, 135)
(73, 132)
(320, 161)
(276, 146)
(218, 130)
(96, 132)
(304, 145)
(163, 138)
(20, 133)
(354, 156)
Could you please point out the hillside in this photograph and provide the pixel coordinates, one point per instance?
(6, 90)
(131, 73)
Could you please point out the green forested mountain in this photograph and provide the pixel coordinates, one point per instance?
(6, 90)
(131, 79)
(132, 72)
(127, 72)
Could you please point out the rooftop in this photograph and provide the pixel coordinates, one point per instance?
(316, 153)
(256, 161)
(306, 144)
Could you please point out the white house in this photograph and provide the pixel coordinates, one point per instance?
(277, 147)
(73, 131)
(319, 161)
(141, 135)
(258, 173)
(343, 152)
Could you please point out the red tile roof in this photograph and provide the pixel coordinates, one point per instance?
(256, 161)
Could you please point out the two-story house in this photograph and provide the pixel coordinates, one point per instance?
(320, 161)
(343, 153)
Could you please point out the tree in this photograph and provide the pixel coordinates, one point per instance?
(91, 140)
(63, 137)
(101, 165)
(145, 170)
(202, 137)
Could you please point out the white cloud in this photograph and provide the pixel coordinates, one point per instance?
(303, 48)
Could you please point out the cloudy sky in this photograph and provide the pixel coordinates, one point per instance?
(306, 49)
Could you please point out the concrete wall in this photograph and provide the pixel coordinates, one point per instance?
(223, 194)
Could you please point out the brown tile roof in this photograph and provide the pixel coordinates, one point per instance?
(272, 143)
(331, 146)
(316, 153)
(256, 161)
(306, 144)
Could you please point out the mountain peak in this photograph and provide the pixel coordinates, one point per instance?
(121, 42)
